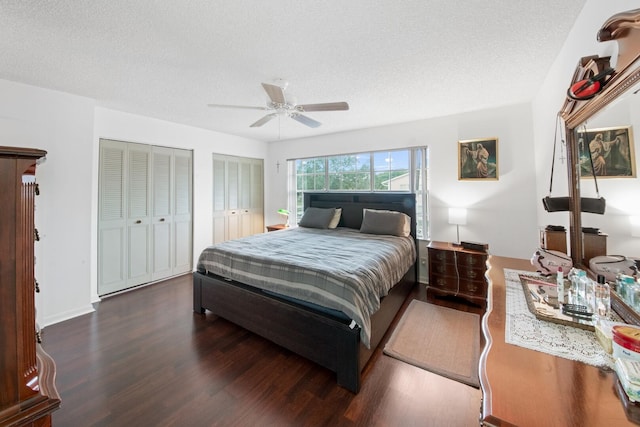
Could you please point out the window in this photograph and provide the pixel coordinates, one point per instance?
(389, 170)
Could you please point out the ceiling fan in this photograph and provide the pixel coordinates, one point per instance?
(279, 105)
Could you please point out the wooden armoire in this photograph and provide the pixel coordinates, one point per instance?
(27, 374)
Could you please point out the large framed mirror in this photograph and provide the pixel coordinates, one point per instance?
(612, 111)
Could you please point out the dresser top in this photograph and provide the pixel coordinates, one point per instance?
(21, 152)
(448, 246)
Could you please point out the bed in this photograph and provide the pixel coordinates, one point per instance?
(329, 337)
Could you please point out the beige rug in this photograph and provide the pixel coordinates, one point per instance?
(439, 339)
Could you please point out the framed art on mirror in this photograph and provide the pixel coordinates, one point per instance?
(610, 149)
(478, 159)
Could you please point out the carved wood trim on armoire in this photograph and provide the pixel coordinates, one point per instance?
(28, 394)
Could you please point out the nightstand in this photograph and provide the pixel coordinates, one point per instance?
(276, 227)
(455, 271)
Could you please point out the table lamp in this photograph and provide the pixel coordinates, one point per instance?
(457, 216)
(285, 213)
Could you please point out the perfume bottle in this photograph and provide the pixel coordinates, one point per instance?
(602, 298)
(560, 285)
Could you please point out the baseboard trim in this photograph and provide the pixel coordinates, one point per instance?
(66, 315)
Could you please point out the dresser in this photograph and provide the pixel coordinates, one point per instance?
(27, 391)
(455, 271)
(523, 387)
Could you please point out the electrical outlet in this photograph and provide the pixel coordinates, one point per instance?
(423, 261)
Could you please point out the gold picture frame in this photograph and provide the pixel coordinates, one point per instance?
(611, 150)
(478, 159)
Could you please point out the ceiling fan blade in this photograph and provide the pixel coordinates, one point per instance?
(276, 93)
(308, 121)
(264, 120)
(329, 106)
(244, 107)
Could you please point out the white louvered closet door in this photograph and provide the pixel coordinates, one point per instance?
(111, 218)
(238, 197)
(219, 199)
(162, 215)
(233, 199)
(245, 198)
(145, 214)
(138, 214)
(183, 215)
(257, 197)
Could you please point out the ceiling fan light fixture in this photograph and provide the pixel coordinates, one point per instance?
(282, 105)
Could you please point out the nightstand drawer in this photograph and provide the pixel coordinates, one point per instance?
(444, 282)
(437, 256)
(443, 269)
(469, 273)
(472, 260)
(474, 288)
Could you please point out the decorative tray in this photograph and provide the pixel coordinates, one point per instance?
(539, 292)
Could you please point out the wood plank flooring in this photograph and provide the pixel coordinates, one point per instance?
(145, 359)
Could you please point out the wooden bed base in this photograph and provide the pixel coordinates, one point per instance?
(313, 334)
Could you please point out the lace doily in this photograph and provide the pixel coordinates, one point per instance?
(525, 330)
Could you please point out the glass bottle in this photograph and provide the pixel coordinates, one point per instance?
(560, 285)
(572, 292)
(620, 287)
(602, 298)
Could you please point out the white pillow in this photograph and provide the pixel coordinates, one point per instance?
(336, 218)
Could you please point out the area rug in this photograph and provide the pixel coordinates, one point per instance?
(438, 339)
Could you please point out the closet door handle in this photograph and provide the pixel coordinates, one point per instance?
(138, 221)
(161, 219)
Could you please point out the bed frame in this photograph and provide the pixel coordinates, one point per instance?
(323, 338)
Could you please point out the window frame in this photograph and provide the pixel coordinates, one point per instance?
(417, 171)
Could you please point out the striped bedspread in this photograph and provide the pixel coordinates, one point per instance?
(341, 269)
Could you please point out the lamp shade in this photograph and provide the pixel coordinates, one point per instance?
(457, 216)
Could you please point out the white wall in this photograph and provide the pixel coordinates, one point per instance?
(621, 193)
(501, 213)
(63, 125)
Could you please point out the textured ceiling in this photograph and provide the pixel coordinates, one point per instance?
(392, 61)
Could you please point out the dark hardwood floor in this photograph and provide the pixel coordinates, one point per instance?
(145, 359)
